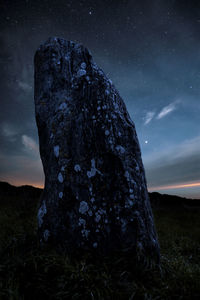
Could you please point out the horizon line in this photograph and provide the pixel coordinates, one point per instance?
(176, 186)
(150, 189)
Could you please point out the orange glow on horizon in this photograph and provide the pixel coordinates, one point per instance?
(40, 185)
(22, 182)
(170, 187)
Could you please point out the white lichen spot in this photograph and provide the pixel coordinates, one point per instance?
(83, 207)
(81, 222)
(67, 57)
(120, 149)
(110, 81)
(63, 106)
(46, 235)
(131, 191)
(98, 108)
(133, 182)
(60, 177)
(116, 106)
(81, 73)
(114, 116)
(83, 65)
(107, 92)
(107, 132)
(63, 168)
(98, 217)
(92, 199)
(56, 150)
(77, 168)
(127, 175)
(119, 133)
(60, 195)
(110, 142)
(93, 170)
(104, 107)
(42, 211)
(94, 65)
(130, 203)
(95, 245)
(90, 213)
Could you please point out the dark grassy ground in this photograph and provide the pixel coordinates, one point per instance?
(27, 272)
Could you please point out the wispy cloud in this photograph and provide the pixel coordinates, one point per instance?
(176, 165)
(166, 110)
(9, 132)
(29, 143)
(24, 86)
(149, 116)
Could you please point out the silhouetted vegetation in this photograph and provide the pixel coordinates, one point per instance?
(28, 272)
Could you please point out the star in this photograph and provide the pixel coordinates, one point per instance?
(146, 142)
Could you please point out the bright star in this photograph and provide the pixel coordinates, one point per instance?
(146, 142)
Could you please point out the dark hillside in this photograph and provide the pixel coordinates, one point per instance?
(29, 272)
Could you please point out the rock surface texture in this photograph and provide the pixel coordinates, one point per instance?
(95, 194)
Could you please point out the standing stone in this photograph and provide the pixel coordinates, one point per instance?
(95, 193)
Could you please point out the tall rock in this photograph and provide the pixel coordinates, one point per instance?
(95, 194)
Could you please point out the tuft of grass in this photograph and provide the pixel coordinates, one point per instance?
(28, 272)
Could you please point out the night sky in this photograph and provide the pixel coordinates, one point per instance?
(151, 52)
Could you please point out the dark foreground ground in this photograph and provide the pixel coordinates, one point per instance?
(27, 272)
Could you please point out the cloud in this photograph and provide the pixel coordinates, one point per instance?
(149, 116)
(177, 165)
(24, 86)
(9, 132)
(166, 110)
(29, 143)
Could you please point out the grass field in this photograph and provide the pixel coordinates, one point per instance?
(27, 272)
